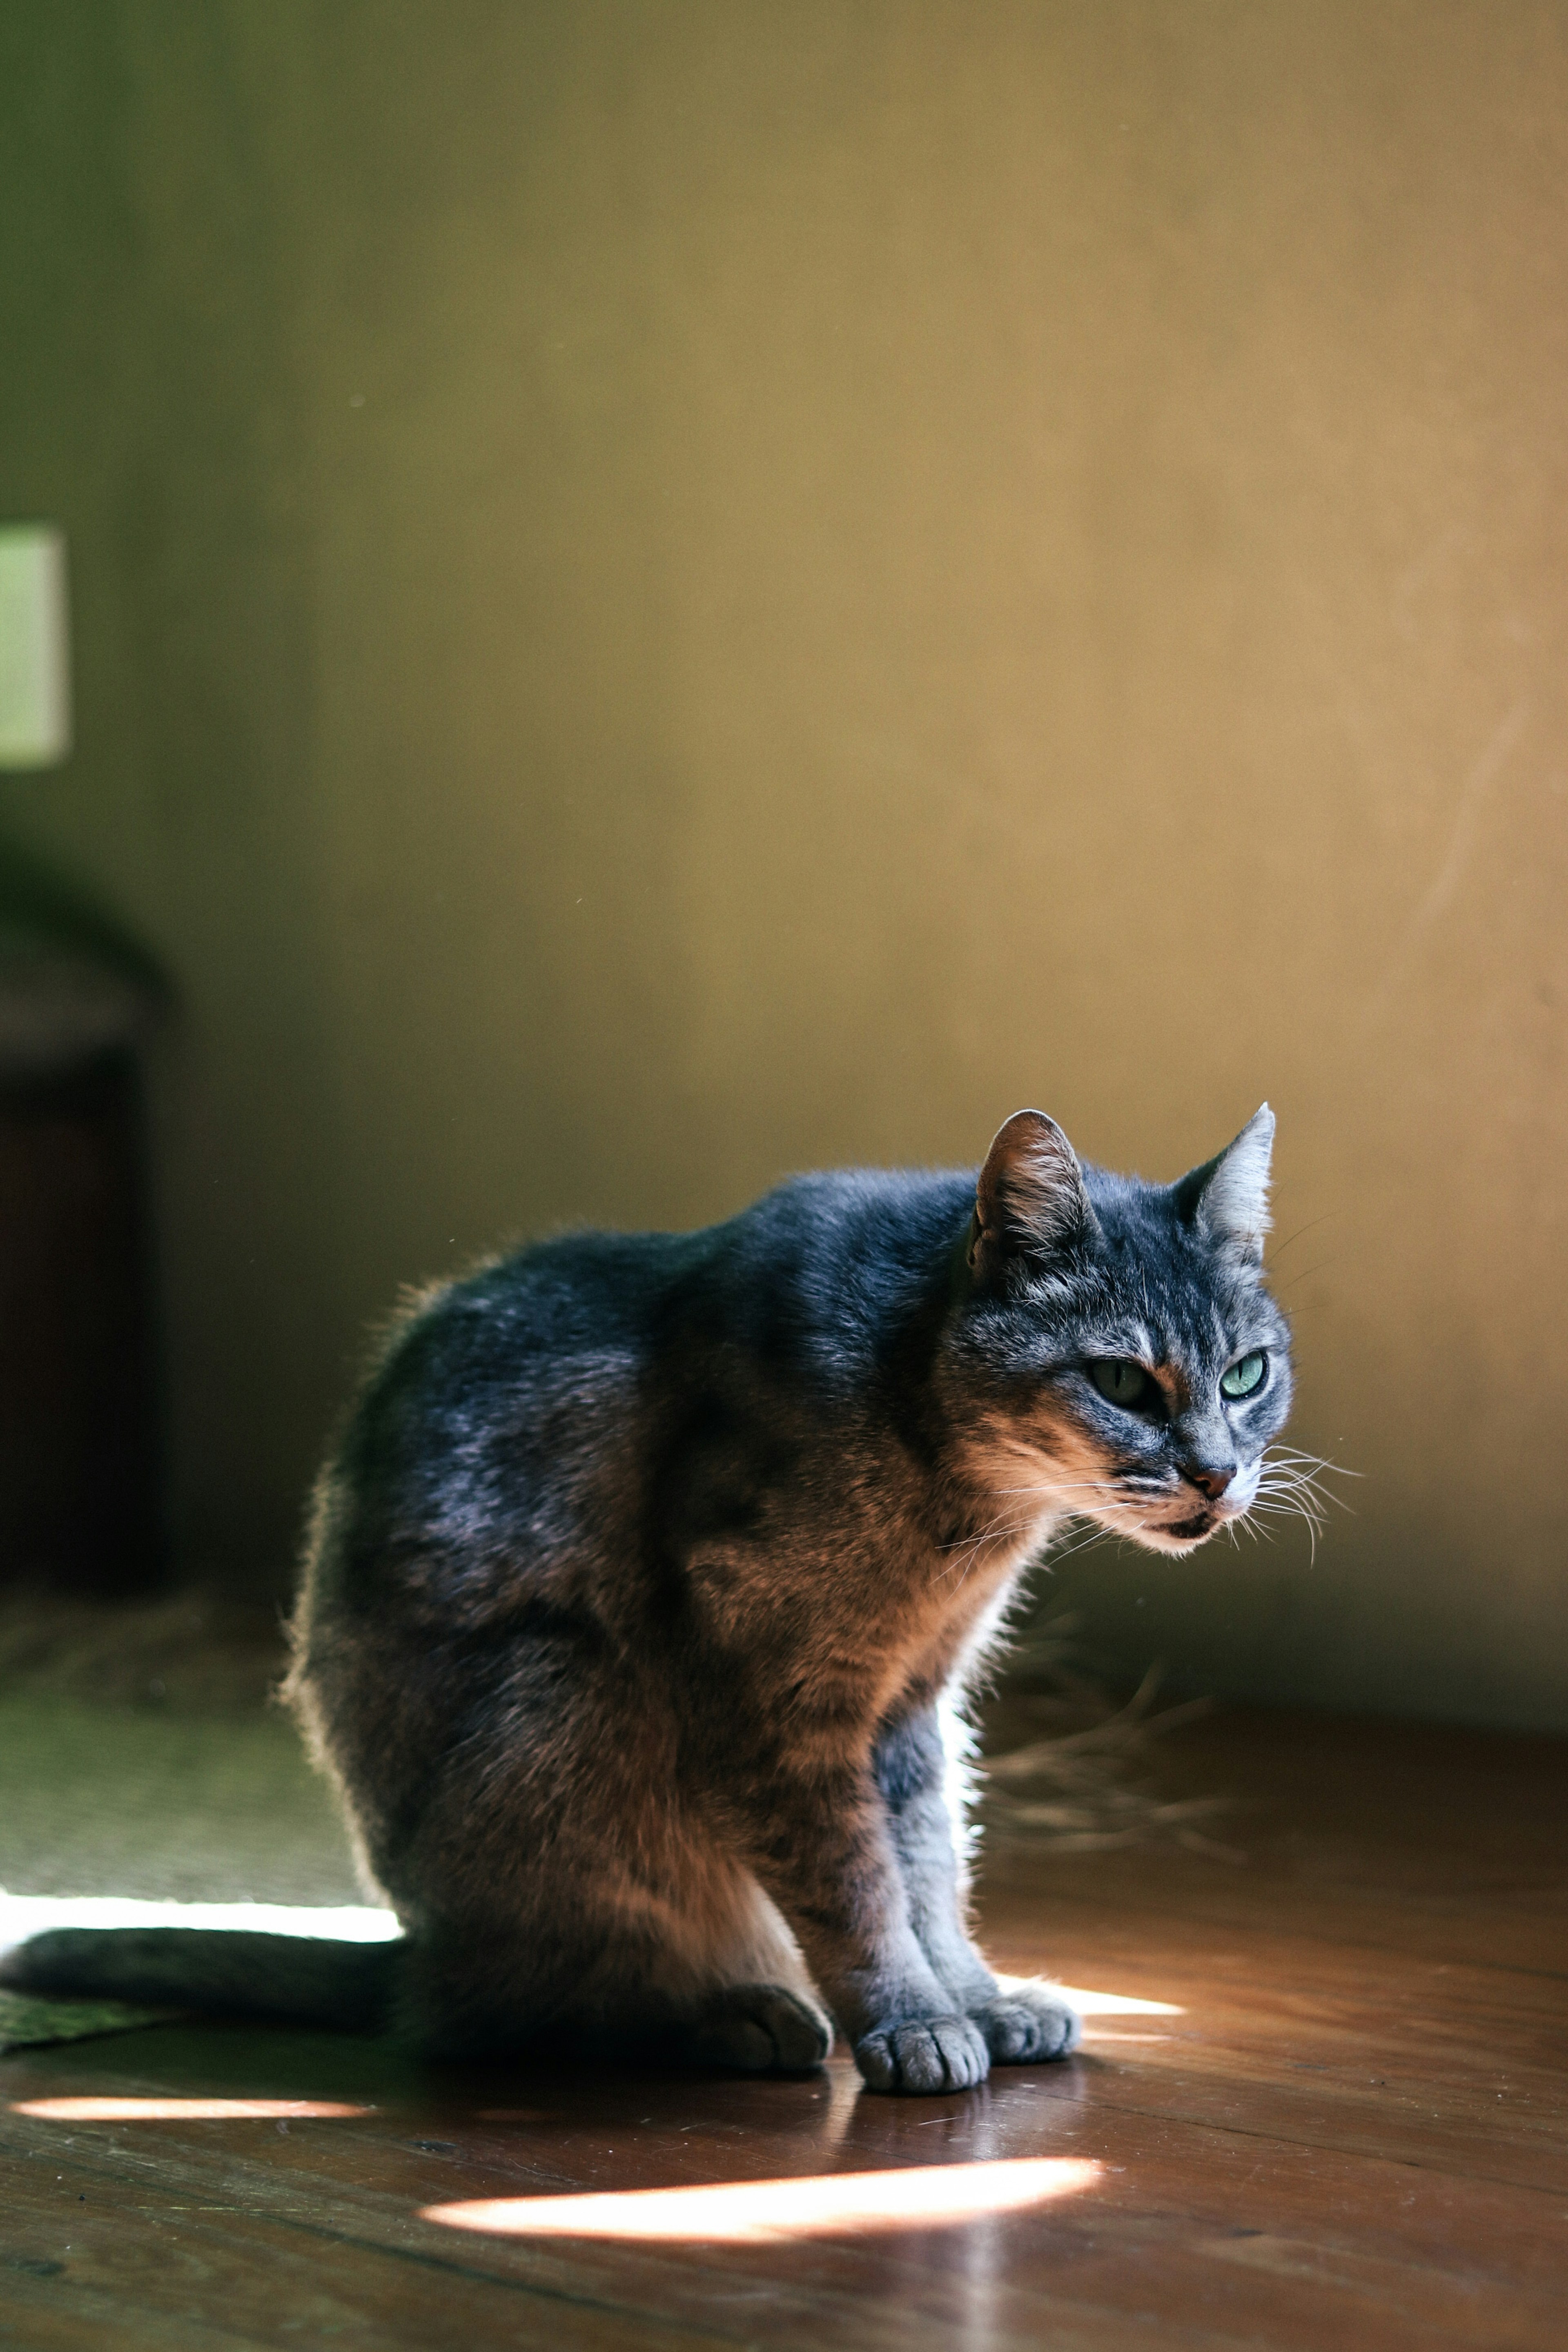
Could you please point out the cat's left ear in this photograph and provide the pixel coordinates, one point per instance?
(1030, 1200)
(1228, 1196)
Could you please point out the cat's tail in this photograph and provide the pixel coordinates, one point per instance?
(340, 1967)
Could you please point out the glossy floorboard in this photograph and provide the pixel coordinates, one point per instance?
(1345, 2124)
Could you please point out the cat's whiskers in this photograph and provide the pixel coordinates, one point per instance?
(1093, 1533)
(1062, 1487)
(1124, 1493)
(1291, 1456)
(1291, 1488)
(1003, 1530)
(972, 1546)
(995, 1525)
(995, 1533)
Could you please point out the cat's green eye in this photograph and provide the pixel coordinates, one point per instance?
(1119, 1382)
(1245, 1378)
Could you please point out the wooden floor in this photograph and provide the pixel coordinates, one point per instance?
(1344, 2125)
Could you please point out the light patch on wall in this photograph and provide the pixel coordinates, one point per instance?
(34, 648)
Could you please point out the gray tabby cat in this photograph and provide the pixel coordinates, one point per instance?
(646, 1584)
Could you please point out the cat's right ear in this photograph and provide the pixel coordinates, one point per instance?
(1030, 1200)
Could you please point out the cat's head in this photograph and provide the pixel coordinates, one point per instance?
(1118, 1340)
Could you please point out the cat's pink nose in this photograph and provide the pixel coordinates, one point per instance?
(1212, 1483)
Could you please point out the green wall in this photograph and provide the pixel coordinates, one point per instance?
(670, 592)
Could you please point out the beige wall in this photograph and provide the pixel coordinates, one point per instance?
(671, 592)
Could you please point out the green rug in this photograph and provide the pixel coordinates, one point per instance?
(26, 2022)
(107, 1798)
(215, 1809)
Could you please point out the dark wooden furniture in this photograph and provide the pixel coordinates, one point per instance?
(80, 1503)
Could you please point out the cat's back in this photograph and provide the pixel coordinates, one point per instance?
(495, 1391)
(527, 1411)
(809, 1275)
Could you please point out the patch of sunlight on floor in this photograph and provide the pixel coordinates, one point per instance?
(762, 2212)
(345, 1922)
(1112, 2004)
(179, 2111)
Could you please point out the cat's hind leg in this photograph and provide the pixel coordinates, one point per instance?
(609, 1967)
(752, 2007)
(759, 2028)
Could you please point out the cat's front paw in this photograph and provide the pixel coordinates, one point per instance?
(918, 2055)
(1028, 2022)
